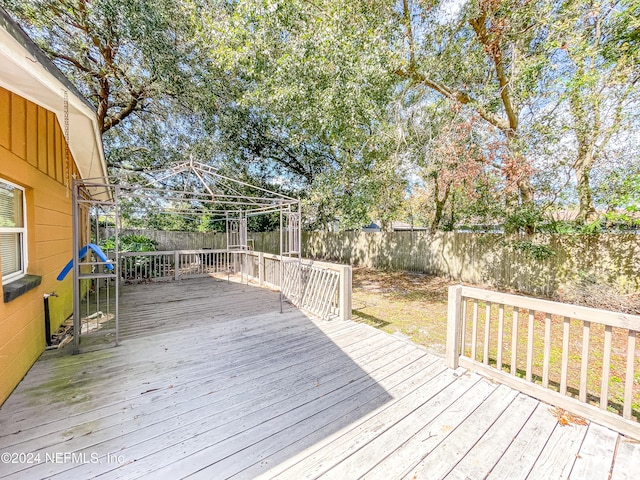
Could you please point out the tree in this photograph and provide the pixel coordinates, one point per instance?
(601, 84)
(503, 109)
(134, 61)
(124, 55)
(487, 62)
(316, 89)
(447, 146)
(554, 83)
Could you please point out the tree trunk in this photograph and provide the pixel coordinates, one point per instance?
(437, 216)
(582, 166)
(439, 207)
(522, 196)
(386, 226)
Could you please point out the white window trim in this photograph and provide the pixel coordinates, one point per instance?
(24, 250)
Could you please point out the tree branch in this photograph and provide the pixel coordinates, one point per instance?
(136, 98)
(455, 95)
(68, 59)
(407, 19)
(494, 51)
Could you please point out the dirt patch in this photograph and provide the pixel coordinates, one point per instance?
(605, 297)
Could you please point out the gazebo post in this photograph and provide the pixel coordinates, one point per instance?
(281, 259)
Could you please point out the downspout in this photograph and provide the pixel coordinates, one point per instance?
(47, 317)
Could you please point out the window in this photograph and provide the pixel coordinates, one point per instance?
(13, 232)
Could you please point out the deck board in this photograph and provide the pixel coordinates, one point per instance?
(383, 440)
(221, 431)
(355, 429)
(596, 453)
(454, 411)
(627, 464)
(141, 408)
(323, 456)
(481, 459)
(524, 450)
(559, 454)
(442, 459)
(212, 381)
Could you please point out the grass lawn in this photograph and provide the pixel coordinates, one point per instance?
(414, 305)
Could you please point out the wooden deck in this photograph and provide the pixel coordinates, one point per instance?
(212, 382)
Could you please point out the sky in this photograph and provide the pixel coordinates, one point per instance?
(450, 9)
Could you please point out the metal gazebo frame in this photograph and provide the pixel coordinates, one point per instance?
(194, 185)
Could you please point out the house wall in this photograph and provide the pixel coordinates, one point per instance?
(32, 155)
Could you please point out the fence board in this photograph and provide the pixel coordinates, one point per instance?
(480, 258)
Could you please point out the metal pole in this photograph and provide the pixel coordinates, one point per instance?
(226, 219)
(97, 242)
(299, 229)
(299, 253)
(281, 259)
(116, 267)
(243, 226)
(75, 245)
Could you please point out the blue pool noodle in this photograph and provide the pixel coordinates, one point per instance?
(83, 253)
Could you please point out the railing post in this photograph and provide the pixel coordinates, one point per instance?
(345, 292)
(260, 268)
(454, 325)
(176, 259)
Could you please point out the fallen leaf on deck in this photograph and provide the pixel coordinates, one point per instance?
(565, 418)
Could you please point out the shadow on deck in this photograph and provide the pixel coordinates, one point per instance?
(211, 380)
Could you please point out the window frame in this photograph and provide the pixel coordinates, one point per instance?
(24, 251)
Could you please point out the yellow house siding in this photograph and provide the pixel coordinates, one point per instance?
(51, 146)
(32, 155)
(18, 126)
(5, 118)
(32, 134)
(21, 351)
(42, 140)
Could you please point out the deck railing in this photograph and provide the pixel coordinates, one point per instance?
(176, 264)
(581, 359)
(321, 288)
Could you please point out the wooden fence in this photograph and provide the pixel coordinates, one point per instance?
(489, 259)
(559, 353)
(170, 240)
